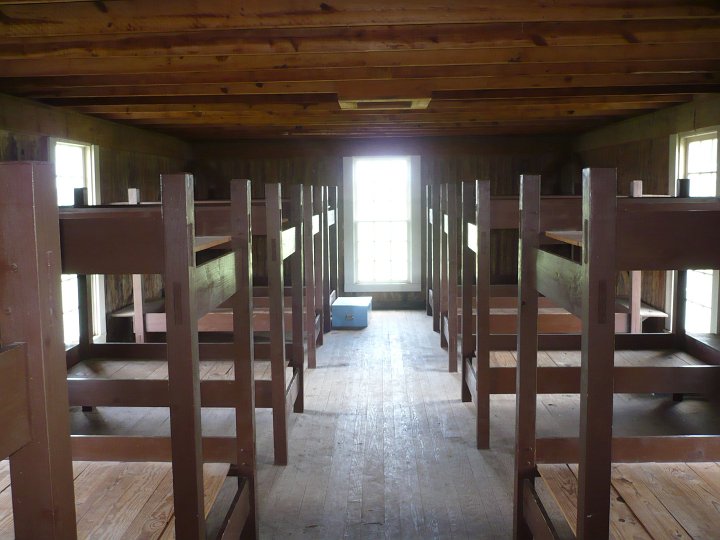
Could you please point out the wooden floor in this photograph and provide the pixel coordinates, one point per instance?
(120, 500)
(649, 500)
(386, 449)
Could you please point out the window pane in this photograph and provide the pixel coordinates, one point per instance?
(702, 156)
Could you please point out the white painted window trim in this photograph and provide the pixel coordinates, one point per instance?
(351, 284)
(677, 165)
(97, 281)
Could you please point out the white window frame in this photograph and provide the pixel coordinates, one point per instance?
(414, 259)
(97, 282)
(678, 168)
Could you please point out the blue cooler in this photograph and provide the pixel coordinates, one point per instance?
(351, 311)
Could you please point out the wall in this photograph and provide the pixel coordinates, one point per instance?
(127, 157)
(640, 149)
(500, 160)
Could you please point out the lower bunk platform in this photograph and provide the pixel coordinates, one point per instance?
(130, 500)
(648, 500)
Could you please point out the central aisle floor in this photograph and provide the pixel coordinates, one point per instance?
(384, 447)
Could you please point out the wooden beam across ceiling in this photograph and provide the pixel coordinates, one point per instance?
(273, 68)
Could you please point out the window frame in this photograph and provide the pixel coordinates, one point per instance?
(92, 181)
(678, 169)
(414, 245)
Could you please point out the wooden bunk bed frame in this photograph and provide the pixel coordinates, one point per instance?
(33, 393)
(617, 235)
(282, 393)
(503, 213)
(558, 329)
(162, 240)
(149, 317)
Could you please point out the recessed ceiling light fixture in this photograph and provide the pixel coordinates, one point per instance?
(383, 104)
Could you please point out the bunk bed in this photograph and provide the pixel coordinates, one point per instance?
(488, 313)
(554, 319)
(200, 273)
(148, 315)
(599, 500)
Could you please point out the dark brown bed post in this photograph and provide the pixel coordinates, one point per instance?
(273, 214)
(442, 289)
(41, 472)
(453, 276)
(482, 321)
(436, 257)
(526, 377)
(427, 223)
(137, 285)
(297, 292)
(635, 297)
(319, 205)
(183, 355)
(468, 269)
(308, 263)
(326, 282)
(680, 291)
(333, 252)
(598, 352)
(85, 313)
(244, 350)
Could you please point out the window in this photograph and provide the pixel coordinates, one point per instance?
(698, 161)
(382, 223)
(74, 168)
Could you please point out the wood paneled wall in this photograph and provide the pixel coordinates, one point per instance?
(319, 162)
(640, 149)
(126, 157)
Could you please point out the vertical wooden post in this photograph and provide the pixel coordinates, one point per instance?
(308, 241)
(427, 222)
(333, 251)
(244, 349)
(635, 298)
(482, 321)
(84, 291)
(31, 312)
(527, 345)
(276, 293)
(137, 286)
(453, 277)
(319, 203)
(468, 275)
(326, 254)
(183, 355)
(436, 254)
(443, 285)
(681, 289)
(296, 278)
(598, 352)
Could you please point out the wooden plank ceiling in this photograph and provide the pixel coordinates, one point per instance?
(204, 69)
